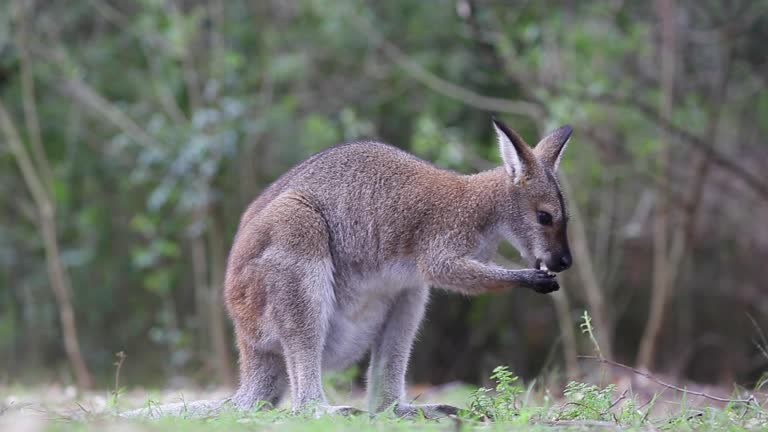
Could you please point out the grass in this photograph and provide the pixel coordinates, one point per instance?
(507, 405)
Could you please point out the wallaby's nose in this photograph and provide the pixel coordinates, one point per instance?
(565, 261)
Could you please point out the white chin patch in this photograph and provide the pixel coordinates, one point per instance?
(543, 266)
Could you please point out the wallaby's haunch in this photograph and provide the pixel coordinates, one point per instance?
(335, 259)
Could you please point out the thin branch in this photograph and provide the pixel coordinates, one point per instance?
(635, 102)
(644, 374)
(616, 402)
(535, 112)
(92, 99)
(169, 105)
(57, 271)
(27, 167)
(24, 208)
(688, 138)
(110, 13)
(661, 281)
(586, 271)
(562, 309)
(442, 86)
(122, 22)
(89, 97)
(29, 99)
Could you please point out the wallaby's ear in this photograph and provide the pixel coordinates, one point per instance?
(551, 148)
(517, 155)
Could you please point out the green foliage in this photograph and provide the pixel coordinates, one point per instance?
(340, 383)
(536, 416)
(319, 132)
(588, 402)
(730, 418)
(583, 403)
(194, 107)
(500, 404)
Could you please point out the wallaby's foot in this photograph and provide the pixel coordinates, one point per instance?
(263, 378)
(429, 411)
(248, 404)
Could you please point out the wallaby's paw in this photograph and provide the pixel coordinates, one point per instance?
(541, 281)
(428, 411)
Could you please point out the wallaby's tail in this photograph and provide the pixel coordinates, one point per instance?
(195, 409)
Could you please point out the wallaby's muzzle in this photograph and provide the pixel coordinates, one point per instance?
(556, 262)
(564, 262)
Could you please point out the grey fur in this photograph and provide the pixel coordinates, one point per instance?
(335, 259)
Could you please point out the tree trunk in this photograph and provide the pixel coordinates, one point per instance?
(60, 283)
(57, 272)
(661, 265)
(200, 284)
(217, 320)
(586, 271)
(570, 351)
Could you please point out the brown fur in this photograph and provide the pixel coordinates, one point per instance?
(354, 234)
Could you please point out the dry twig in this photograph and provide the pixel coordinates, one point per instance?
(749, 400)
(442, 86)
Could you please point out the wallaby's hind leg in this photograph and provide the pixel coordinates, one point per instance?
(301, 326)
(301, 298)
(390, 354)
(263, 377)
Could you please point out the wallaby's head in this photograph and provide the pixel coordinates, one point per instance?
(532, 210)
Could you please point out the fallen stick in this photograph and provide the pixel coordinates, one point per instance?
(636, 371)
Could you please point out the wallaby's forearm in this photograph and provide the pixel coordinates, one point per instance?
(469, 276)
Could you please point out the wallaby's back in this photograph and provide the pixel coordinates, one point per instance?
(375, 199)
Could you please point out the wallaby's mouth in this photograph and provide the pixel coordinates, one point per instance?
(541, 266)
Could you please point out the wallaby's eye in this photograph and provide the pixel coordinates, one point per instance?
(544, 218)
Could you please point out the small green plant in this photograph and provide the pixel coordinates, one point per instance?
(587, 402)
(117, 391)
(344, 379)
(586, 328)
(501, 403)
(630, 413)
(339, 383)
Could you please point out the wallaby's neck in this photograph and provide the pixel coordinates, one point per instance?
(490, 181)
(486, 190)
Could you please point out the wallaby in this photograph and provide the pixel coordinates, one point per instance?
(335, 259)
